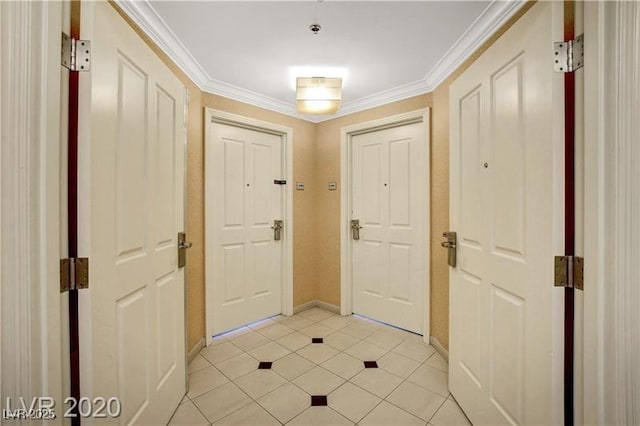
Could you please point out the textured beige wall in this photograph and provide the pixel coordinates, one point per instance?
(316, 210)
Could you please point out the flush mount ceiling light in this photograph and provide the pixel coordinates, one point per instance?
(318, 95)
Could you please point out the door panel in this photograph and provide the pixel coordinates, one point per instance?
(247, 274)
(387, 268)
(502, 206)
(132, 317)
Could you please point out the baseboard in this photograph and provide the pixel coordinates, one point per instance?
(439, 348)
(319, 303)
(329, 307)
(195, 350)
(305, 306)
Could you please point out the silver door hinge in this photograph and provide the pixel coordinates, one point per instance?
(76, 54)
(74, 274)
(569, 272)
(568, 56)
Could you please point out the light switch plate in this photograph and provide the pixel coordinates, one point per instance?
(300, 186)
(333, 186)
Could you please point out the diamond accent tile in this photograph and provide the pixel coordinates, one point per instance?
(318, 400)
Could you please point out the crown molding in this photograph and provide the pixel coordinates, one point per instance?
(490, 20)
(497, 13)
(146, 17)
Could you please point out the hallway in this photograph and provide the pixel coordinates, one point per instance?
(266, 374)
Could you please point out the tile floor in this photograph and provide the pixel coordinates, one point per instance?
(270, 373)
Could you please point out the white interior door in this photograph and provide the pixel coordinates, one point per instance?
(506, 186)
(132, 162)
(247, 267)
(388, 259)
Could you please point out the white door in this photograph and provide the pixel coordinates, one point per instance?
(387, 198)
(132, 341)
(506, 183)
(246, 259)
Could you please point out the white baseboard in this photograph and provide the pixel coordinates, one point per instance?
(329, 307)
(319, 303)
(195, 350)
(305, 306)
(439, 348)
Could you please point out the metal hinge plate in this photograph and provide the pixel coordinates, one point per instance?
(569, 272)
(76, 54)
(74, 274)
(568, 56)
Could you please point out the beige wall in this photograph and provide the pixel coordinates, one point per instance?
(316, 212)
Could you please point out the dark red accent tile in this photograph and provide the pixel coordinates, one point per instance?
(317, 340)
(318, 400)
(264, 365)
(370, 364)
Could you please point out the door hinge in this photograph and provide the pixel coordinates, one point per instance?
(569, 272)
(74, 274)
(568, 56)
(76, 54)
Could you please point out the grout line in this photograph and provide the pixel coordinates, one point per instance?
(358, 339)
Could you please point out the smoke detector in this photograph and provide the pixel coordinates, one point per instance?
(315, 28)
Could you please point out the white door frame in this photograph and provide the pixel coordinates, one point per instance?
(610, 229)
(346, 244)
(286, 134)
(31, 176)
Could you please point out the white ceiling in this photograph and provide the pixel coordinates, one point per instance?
(389, 50)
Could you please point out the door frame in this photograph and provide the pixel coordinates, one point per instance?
(33, 360)
(286, 135)
(346, 244)
(607, 251)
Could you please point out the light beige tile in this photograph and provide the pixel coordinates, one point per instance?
(337, 322)
(397, 364)
(317, 330)
(250, 340)
(317, 352)
(416, 400)
(352, 402)
(294, 341)
(222, 401)
(377, 381)
(216, 340)
(269, 352)
(340, 340)
(292, 366)
(318, 381)
(258, 325)
(359, 329)
(436, 361)
(296, 322)
(366, 351)
(386, 414)
(450, 414)
(418, 351)
(385, 339)
(319, 416)
(275, 331)
(188, 414)
(344, 365)
(238, 366)
(204, 380)
(316, 314)
(259, 382)
(286, 402)
(233, 334)
(218, 353)
(198, 363)
(431, 379)
(185, 399)
(251, 414)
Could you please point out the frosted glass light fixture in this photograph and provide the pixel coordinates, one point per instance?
(318, 95)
